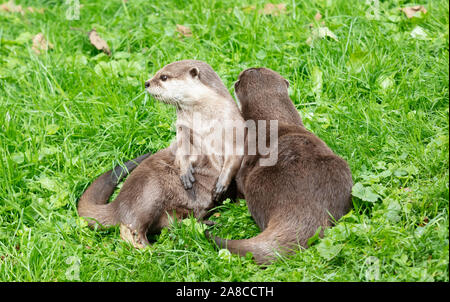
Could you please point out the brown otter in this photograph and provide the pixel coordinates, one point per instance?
(153, 190)
(307, 188)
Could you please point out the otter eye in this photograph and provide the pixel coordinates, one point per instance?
(163, 78)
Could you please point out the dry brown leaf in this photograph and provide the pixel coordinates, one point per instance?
(412, 10)
(40, 44)
(11, 7)
(216, 214)
(424, 222)
(318, 16)
(273, 9)
(98, 42)
(184, 30)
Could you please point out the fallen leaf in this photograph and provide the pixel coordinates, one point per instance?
(184, 30)
(40, 44)
(98, 42)
(413, 10)
(273, 9)
(216, 214)
(11, 7)
(317, 17)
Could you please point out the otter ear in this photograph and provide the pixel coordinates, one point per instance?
(287, 83)
(194, 72)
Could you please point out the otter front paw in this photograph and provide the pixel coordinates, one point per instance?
(188, 178)
(218, 191)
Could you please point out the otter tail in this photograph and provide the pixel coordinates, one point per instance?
(93, 203)
(264, 247)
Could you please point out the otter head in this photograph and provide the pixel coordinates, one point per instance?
(263, 95)
(184, 83)
(258, 85)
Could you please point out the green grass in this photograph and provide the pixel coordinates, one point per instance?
(378, 97)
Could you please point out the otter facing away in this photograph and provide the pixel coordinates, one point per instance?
(308, 187)
(174, 181)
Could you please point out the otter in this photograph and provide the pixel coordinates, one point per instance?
(189, 176)
(308, 187)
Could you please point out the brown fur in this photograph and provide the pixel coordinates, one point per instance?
(153, 191)
(102, 188)
(307, 188)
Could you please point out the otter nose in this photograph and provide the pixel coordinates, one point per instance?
(147, 84)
